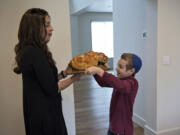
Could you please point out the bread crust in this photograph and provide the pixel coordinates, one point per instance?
(101, 57)
(91, 58)
(81, 62)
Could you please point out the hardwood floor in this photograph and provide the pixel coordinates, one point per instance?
(92, 108)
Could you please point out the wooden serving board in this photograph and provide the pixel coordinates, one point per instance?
(104, 67)
(74, 71)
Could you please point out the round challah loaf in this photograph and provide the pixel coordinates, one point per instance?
(101, 57)
(81, 62)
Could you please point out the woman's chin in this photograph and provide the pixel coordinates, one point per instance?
(47, 40)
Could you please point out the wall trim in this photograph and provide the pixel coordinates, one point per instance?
(139, 120)
(172, 131)
(149, 131)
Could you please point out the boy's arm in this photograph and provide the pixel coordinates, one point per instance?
(123, 86)
(105, 79)
(98, 74)
(100, 81)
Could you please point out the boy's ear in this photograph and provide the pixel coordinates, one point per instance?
(132, 71)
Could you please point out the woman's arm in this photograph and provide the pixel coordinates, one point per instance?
(65, 83)
(64, 73)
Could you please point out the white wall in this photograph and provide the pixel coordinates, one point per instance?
(75, 35)
(168, 88)
(157, 104)
(150, 65)
(129, 23)
(11, 115)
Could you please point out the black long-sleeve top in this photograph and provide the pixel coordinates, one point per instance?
(41, 100)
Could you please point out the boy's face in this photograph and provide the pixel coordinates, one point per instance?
(122, 72)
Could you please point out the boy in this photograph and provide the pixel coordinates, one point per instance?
(125, 87)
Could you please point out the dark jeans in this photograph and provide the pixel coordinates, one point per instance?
(110, 133)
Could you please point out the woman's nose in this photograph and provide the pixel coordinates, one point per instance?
(52, 29)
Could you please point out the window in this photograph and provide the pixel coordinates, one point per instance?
(102, 37)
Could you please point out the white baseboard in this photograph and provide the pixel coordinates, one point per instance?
(149, 131)
(139, 120)
(172, 131)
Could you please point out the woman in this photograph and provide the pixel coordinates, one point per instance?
(41, 86)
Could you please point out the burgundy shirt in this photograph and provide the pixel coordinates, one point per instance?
(122, 101)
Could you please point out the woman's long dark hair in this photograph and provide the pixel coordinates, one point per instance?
(32, 33)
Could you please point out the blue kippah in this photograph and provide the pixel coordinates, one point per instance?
(137, 62)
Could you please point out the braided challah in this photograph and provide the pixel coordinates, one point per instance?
(91, 58)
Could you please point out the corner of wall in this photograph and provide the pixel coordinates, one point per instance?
(139, 120)
(149, 131)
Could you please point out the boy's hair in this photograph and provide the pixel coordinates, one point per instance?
(133, 60)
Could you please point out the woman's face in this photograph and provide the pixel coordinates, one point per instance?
(48, 28)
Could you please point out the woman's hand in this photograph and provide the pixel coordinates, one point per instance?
(65, 83)
(76, 77)
(67, 71)
(64, 73)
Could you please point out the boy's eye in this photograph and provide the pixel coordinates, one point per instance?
(120, 66)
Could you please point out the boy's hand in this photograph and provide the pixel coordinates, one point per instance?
(94, 70)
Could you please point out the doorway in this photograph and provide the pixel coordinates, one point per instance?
(90, 99)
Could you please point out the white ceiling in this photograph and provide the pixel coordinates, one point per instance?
(100, 6)
(81, 6)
